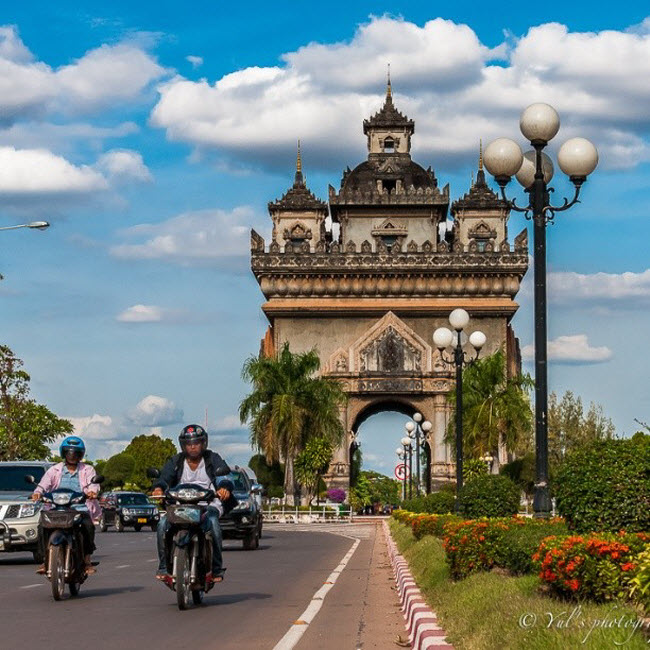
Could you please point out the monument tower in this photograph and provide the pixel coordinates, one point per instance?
(370, 298)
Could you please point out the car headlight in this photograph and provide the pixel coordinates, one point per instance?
(127, 511)
(29, 509)
(244, 504)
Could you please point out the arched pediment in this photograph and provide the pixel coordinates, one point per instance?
(390, 347)
(338, 362)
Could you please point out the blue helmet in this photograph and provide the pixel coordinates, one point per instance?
(72, 443)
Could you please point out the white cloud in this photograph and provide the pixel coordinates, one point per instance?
(214, 237)
(123, 166)
(456, 89)
(103, 77)
(196, 61)
(25, 172)
(570, 349)
(154, 411)
(141, 314)
(229, 422)
(631, 289)
(94, 427)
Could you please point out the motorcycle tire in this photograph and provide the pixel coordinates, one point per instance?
(252, 541)
(154, 528)
(197, 596)
(103, 526)
(138, 528)
(119, 525)
(57, 571)
(183, 587)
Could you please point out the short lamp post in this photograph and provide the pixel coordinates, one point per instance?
(400, 454)
(444, 338)
(487, 459)
(408, 461)
(416, 430)
(503, 158)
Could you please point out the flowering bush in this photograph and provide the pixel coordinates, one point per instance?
(598, 566)
(640, 583)
(336, 494)
(482, 544)
(431, 524)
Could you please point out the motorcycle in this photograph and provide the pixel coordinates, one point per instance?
(64, 554)
(187, 545)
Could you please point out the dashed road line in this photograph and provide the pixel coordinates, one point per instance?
(123, 566)
(40, 584)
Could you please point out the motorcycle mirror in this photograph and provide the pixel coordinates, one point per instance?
(222, 471)
(256, 488)
(30, 479)
(152, 472)
(98, 478)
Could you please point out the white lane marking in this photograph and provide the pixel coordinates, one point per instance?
(153, 559)
(40, 584)
(291, 638)
(123, 566)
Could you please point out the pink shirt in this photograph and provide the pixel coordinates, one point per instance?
(52, 478)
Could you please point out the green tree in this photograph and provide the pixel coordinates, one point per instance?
(311, 463)
(496, 409)
(270, 476)
(383, 489)
(361, 494)
(570, 429)
(148, 451)
(289, 405)
(118, 470)
(26, 428)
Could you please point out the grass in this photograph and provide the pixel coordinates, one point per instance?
(489, 611)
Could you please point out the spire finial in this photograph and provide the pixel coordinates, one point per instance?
(480, 155)
(389, 90)
(299, 160)
(299, 180)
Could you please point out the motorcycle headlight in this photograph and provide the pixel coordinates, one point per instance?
(244, 504)
(29, 509)
(189, 494)
(62, 499)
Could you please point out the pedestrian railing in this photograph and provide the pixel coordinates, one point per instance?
(313, 514)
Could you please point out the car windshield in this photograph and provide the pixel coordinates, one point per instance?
(133, 500)
(238, 480)
(12, 477)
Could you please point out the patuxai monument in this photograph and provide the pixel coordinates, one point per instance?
(369, 292)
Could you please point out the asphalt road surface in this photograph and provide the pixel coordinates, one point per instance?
(123, 607)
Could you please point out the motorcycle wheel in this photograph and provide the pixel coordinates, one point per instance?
(57, 571)
(103, 526)
(183, 588)
(252, 541)
(138, 528)
(119, 525)
(197, 596)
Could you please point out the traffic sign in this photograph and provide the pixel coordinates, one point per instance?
(401, 472)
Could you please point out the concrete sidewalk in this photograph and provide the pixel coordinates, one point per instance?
(362, 610)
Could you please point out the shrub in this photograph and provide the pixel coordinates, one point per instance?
(423, 524)
(606, 486)
(438, 503)
(640, 584)
(336, 494)
(598, 566)
(489, 496)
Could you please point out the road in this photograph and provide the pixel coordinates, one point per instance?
(264, 593)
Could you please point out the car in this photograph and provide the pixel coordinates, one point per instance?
(244, 521)
(122, 509)
(19, 516)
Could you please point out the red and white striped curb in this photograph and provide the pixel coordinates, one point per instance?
(421, 622)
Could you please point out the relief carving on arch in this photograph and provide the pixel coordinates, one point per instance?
(338, 362)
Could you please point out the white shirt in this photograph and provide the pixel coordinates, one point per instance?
(200, 477)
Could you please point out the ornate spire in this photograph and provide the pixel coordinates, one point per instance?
(480, 154)
(388, 116)
(389, 89)
(480, 176)
(299, 180)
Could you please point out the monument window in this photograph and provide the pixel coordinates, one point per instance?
(389, 145)
(389, 185)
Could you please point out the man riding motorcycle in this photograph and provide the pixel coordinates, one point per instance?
(77, 476)
(201, 466)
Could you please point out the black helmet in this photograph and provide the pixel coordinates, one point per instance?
(191, 433)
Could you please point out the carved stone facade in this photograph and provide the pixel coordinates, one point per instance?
(370, 299)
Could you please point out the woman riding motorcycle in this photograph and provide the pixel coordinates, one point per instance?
(77, 476)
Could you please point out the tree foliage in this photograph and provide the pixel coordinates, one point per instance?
(289, 405)
(148, 451)
(270, 476)
(569, 428)
(312, 462)
(118, 470)
(26, 427)
(373, 487)
(496, 408)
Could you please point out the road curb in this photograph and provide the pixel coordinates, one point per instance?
(421, 621)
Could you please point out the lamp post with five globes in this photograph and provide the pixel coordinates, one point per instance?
(444, 338)
(415, 431)
(503, 158)
(408, 461)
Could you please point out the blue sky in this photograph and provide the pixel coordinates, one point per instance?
(152, 137)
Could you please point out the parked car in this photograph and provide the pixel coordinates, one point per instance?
(244, 521)
(122, 509)
(18, 515)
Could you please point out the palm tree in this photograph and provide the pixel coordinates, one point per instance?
(496, 408)
(289, 405)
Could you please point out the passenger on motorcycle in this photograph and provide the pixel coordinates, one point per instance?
(196, 464)
(74, 475)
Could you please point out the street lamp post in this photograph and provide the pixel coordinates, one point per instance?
(38, 225)
(400, 454)
(408, 460)
(444, 338)
(416, 430)
(503, 158)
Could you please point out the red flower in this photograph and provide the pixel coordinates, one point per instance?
(628, 566)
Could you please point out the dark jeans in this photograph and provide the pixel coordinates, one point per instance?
(87, 535)
(211, 524)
